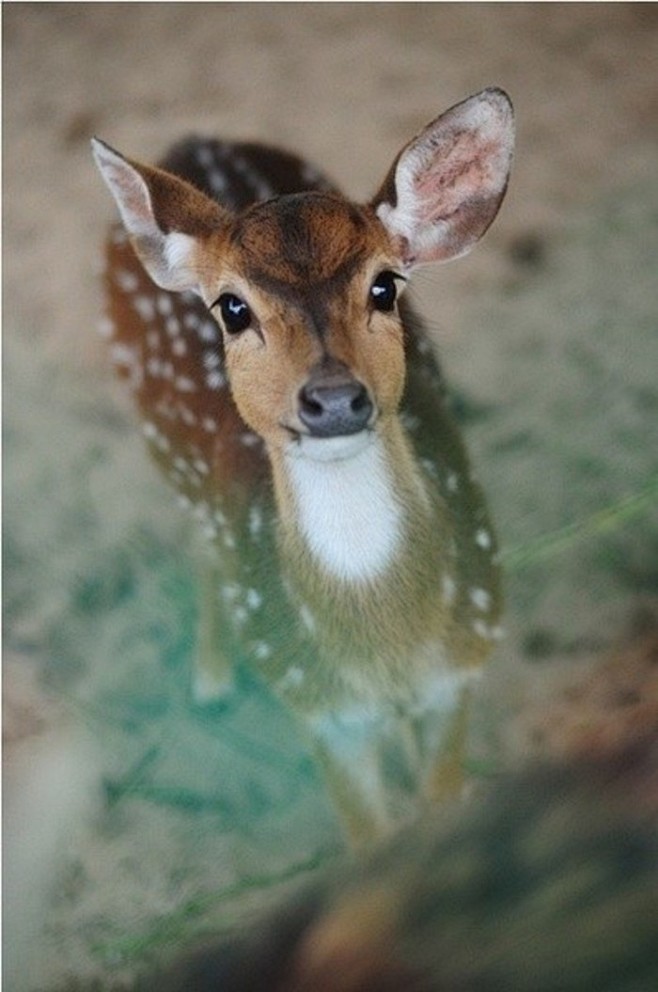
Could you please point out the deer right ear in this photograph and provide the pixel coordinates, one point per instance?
(164, 216)
(446, 186)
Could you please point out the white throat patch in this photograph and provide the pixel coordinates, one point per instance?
(346, 507)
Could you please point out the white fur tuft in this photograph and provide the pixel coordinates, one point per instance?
(178, 249)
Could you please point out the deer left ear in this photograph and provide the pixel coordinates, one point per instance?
(164, 216)
(445, 188)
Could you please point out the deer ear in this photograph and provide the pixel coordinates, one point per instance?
(165, 216)
(445, 188)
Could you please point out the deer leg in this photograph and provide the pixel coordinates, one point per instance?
(365, 765)
(212, 680)
(355, 797)
(444, 778)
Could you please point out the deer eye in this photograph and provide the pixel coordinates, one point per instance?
(383, 292)
(236, 315)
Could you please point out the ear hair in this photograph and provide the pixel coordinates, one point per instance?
(164, 216)
(445, 188)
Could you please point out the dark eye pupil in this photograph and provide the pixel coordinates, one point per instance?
(236, 315)
(384, 292)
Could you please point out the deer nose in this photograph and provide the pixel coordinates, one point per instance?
(330, 408)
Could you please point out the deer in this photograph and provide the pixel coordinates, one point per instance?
(294, 400)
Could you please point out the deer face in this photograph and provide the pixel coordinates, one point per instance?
(304, 285)
(304, 289)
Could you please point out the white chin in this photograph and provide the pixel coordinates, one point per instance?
(331, 449)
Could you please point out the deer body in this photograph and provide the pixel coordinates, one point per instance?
(305, 424)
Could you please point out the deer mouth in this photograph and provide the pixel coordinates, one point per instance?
(328, 449)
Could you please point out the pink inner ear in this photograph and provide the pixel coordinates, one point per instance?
(460, 174)
(449, 193)
(450, 180)
(135, 199)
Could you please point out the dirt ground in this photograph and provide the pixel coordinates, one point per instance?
(548, 333)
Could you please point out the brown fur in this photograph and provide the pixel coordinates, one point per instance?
(178, 206)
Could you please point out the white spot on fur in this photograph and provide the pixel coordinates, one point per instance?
(452, 482)
(207, 331)
(240, 615)
(255, 520)
(253, 599)
(205, 156)
(430, 467)
(307, 618)
(211, 360)
(144, 306)
(128, 359)
(230, 592)
(187, 416)
(122, 354)
(409, 421)
(164, 304)
(217, 181)
(126, 281)
(215, 380)
(482, 630)
(292, 679)
(483, 539)
(480, 598)
(311, 175)
(448, 589)
(106, 327)
(185, 385)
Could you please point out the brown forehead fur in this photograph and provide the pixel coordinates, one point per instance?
(306, 239)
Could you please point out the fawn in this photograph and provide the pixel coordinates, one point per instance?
(292, 398)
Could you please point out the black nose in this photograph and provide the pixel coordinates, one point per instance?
(331, 408)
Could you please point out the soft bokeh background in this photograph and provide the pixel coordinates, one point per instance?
(549, 336)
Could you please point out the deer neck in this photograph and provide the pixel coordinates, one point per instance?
(348, 506)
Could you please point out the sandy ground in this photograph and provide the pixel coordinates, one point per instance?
(548, 334)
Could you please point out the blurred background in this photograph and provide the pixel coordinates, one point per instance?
(169, 820)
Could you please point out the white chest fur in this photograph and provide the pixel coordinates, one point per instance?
(345, 503)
